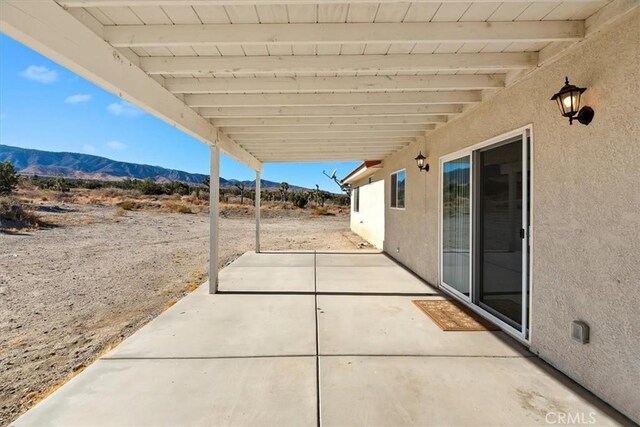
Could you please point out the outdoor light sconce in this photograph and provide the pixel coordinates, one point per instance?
(568, 100)
(422, 164)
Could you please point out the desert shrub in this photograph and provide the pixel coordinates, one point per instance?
(149, 187)
(300, 199)
(8, 178)
(342, 200)
(322, 211)
(12, 211)
(176, 187)
(128, 205)
(178, 208)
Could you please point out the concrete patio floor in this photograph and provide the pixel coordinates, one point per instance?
(314, 339)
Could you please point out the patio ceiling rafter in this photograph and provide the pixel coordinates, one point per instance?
(303, 99)
(326, 129)
(342, 33)
(330, 111)
(330, 122)
(103, 3)
(259, 65)
(230, 85)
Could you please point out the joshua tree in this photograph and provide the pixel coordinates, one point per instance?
(8, 178)
(240, 186)
(61, 184)
(284, 188)
(320, 196)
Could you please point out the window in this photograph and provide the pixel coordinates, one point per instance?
(356, 199)
(398, 189)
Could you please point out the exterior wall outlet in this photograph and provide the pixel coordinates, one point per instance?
(580, 331)
(397, 250)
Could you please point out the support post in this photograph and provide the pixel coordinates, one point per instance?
(257, 201)
(214, 205)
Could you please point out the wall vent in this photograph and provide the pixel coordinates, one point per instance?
(580, 331)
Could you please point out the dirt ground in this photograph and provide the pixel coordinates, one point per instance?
(70, 292)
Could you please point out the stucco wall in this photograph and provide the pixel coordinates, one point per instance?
(369, 221)
(585, 214)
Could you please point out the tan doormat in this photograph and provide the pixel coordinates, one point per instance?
(451, 316)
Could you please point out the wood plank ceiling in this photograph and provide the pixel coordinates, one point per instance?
(291, 80)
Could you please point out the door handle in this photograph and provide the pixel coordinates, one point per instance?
(522, 233)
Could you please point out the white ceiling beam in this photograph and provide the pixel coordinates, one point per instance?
(332, 150)
(327, 150)
(328, 121)
(109, 3)
(320, 139)
(333, 84)
(308, 99)
(323, 129)
(329, 112)
(387, 136)
(341, 33)
(325, 158)
(242, 65)
(49, 29)
(306, 145)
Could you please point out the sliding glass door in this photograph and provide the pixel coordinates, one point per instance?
(501, 230)
(484, 228)
(456, 225)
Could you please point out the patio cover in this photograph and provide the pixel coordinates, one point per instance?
(305, 80)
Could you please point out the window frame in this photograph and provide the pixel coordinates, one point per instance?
(391, 190)
(356, 200)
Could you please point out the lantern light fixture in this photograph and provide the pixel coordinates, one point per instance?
(422, 164)
(568, 100)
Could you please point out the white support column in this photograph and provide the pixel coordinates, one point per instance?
(257, 201)
(214, 205)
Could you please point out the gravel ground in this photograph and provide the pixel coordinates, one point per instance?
(70, 292)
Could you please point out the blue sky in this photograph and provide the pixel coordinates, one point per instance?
(47, 107)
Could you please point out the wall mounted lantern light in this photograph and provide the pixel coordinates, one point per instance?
(422, 164)
(568, 100)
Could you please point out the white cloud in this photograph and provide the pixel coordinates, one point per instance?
(78, 98)
(124, 109)
(40, 74)
(116, 145)
(89, 149)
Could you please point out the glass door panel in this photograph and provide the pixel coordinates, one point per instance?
(501, 231)
(456, 224)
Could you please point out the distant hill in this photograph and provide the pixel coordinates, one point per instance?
(85, 166)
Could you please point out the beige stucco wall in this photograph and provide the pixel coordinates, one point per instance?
(369, 221)
(586, 208)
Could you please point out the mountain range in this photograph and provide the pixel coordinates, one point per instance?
(85, 166)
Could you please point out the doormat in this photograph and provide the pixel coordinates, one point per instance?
(451, 316)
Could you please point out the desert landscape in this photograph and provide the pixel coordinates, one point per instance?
(95, 265)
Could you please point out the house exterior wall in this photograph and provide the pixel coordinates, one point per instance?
(369, 221)
(585, 208)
